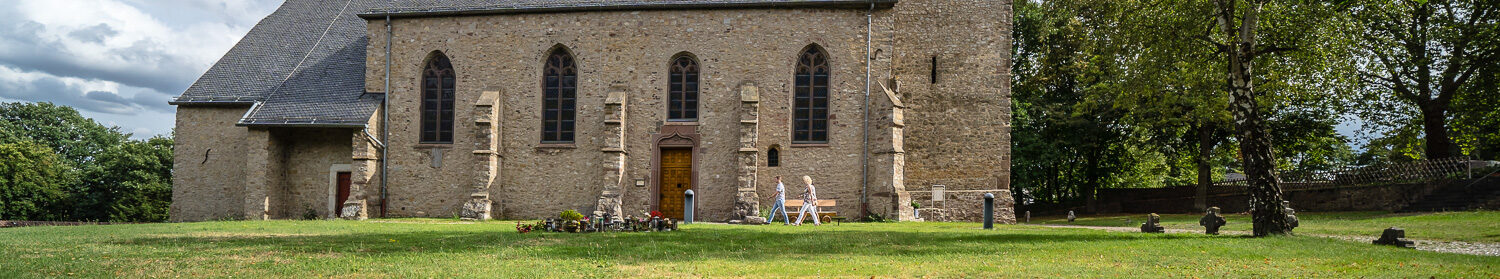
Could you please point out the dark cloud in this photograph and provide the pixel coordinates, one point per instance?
(55, 90)
(96, 34)
(145, 63)
(153, 100)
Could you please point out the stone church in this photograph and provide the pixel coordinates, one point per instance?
(520, 109)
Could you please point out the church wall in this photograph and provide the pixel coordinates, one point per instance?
(208, 177)
(629, 51)
(958, 127)
(310, 152)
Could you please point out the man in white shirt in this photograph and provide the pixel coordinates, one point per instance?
(778, 202)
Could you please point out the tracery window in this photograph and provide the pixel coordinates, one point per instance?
(810, 101)
(682, 90)
(437, 100)
(559, 97)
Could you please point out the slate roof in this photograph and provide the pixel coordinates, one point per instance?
(304, 64)
(327, 88)
(415, 8)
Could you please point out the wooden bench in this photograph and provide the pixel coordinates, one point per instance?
(825, 210)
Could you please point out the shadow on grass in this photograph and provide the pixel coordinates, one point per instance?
(691, 244)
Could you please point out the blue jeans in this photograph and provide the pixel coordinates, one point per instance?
(780, 204)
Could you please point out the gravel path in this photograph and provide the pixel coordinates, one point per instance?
(1457, 247)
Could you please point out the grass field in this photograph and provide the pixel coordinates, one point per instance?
(434, 248)
(1471, 226)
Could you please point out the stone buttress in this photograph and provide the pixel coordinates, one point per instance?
(486, 156)
(747, 201)
(613, 154)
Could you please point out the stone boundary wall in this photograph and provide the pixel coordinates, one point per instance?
(968, 206)
(1179, 199)
(17, 224)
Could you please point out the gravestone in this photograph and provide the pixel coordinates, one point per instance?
(1394, 236)
(1153, 224)
(1291, 215)
(1212, 221)
(1071, 216)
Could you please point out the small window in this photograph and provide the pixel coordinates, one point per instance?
(934, 69)
(682, 91)
(773, 157)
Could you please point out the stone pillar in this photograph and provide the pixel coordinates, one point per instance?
(366, 164)
(888, 195)
(747, 201)
(263, 173)
(486, 157)
(613, 154)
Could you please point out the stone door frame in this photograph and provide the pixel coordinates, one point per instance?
(674, 135)
(333, 187)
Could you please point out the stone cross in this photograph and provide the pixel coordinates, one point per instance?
(1395, 237)
(1153, 224)
(1212, 221)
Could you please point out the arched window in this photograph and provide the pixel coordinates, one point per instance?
(437, 100)
(559, 91)
(810, 102)
(773, 157)
(682, 92)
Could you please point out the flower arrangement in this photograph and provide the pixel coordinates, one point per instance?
(571, 215)
(526, 228)
(655, 214)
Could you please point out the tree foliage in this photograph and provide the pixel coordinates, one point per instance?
(31, 182)
(59, 165)
(1127, 94)
(1428, 64)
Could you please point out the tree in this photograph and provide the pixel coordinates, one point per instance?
(74, 137)
(31, 182)
(132, 182)
(1422, 55)
(1239, 26)
(1069, 137)
(97, 173)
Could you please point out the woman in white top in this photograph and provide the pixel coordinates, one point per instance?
(809, 202)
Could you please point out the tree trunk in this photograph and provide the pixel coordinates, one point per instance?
(1268, 217)
(1434, 119)
(1206, 144)
(1091, 183)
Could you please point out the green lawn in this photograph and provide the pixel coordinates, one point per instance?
(424, 248)
(1471, 226)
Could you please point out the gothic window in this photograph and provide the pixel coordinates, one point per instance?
(437, 100)
(810, 101)
(682, 91)
(773, 157)
(559, 91)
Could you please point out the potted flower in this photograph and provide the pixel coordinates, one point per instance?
(571, 220)
(914, 206)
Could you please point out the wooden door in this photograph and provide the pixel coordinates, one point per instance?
(676, 177)
(342, 195)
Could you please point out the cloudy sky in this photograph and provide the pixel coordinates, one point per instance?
(117, 61)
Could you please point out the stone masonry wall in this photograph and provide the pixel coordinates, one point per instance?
(957, 126)
(208, 168)
(630, 51)
(310, 154)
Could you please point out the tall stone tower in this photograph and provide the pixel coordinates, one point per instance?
(952, 60)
